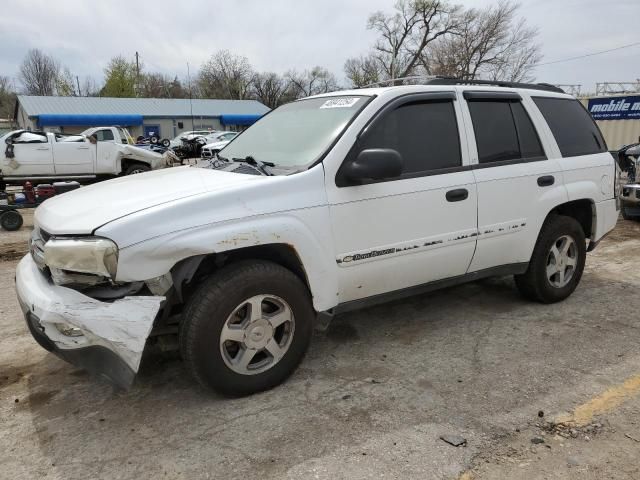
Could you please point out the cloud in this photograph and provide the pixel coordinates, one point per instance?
(278, 35)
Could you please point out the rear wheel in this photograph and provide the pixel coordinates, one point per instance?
(11, 220)
(247, 328)
(557, 262)
(626, 215)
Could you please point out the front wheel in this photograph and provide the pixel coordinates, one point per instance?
(137, 168)
(246, 328)
(557, 262)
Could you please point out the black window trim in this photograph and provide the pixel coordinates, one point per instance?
(480, 95)
(445, 96)
(508, 97)
(562, 155)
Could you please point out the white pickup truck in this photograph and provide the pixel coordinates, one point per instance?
(327, 204)
(96, 152)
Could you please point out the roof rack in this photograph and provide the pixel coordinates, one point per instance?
(440, 80)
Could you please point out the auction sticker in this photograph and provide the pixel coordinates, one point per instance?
(341, 102)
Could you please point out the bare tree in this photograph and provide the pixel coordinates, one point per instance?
(490, 43)
(39, 73)
(7, 98)
(312, 82)
(65, 84)
(362, 71)
(270, 89)
(225, 75)
(89, 88)
(406, 34)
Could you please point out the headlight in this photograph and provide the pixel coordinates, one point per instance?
(96, 256)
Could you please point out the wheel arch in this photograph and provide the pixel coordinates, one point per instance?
(582, 210)
(126, 162)
(188, 272)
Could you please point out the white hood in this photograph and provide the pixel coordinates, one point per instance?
(82, 211)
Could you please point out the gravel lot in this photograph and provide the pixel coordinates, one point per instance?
(371, 399)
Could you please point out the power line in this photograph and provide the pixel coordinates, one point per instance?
(588, 54)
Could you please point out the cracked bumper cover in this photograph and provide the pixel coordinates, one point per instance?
(109, 337)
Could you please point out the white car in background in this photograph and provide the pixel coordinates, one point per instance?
(188, 135)
(219, 141)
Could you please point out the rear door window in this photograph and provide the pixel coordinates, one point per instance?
(503, 131)
(573, 128)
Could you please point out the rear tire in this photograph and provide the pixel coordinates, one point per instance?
(248, 310)
(625, 215)
(557, 262)
(11, 220)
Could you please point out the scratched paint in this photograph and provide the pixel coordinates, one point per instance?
(424, 244)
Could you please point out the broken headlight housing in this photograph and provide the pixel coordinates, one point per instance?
(71, 259)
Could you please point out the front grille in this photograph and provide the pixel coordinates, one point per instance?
(36, 247)
(637, 193)
(45, 236)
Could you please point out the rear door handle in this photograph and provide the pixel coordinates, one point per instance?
(42, 148)
(457, 195)
(546, 181)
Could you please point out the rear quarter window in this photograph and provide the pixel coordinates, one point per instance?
(573, 128)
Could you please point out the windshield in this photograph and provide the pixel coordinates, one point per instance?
(296, 134)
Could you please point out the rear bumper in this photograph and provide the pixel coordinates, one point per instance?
(105, 338)
(606, 218)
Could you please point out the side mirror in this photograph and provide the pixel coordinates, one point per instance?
(374, 164)
(9, 141)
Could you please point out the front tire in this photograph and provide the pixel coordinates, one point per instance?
(246, 328)
(137, 168)
(557, 262)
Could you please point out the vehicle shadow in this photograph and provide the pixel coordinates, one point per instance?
(460, 356)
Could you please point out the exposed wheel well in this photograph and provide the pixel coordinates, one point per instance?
(127, 162)
(582, 210)
(280, 253)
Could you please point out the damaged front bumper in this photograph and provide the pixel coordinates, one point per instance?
(105, 338)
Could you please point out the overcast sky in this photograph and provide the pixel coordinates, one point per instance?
(278, 35)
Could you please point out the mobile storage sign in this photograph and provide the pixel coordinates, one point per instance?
(615, 108)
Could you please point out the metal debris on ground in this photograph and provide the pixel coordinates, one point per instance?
(455, 440)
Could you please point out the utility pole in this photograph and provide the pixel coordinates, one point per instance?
(78, 83)
(190, 97)
(137, 73)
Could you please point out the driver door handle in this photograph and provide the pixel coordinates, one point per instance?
(457, 195)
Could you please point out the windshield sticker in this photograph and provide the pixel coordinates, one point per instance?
(340, 102)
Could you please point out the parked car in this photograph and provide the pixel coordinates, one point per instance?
(333, 203)
(188, 135)
(628, 160)
(218, 143)
(96, 152)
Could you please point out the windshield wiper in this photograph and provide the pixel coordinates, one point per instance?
(256, 163)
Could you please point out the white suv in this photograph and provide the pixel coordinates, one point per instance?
(333, 203)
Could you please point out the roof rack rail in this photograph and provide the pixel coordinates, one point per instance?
(496, 83)
(441, 80)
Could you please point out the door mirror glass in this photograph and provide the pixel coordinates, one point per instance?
(374, 164)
